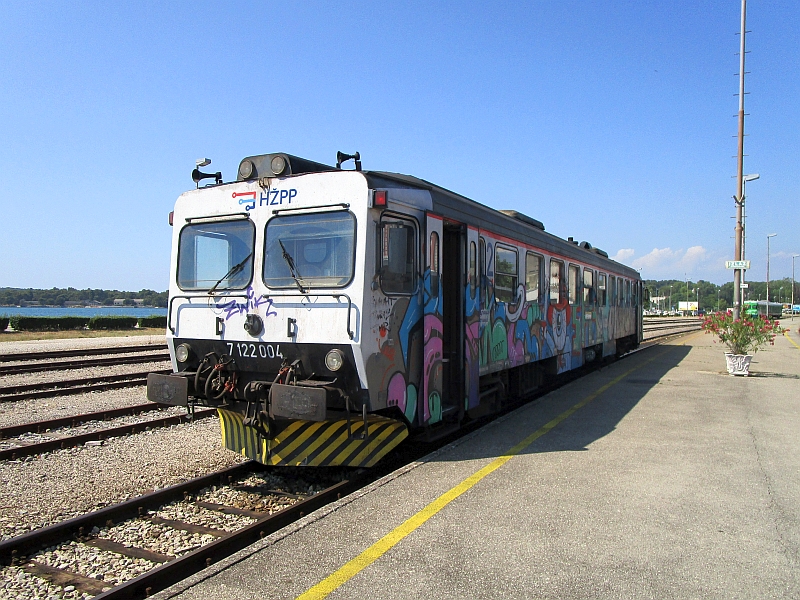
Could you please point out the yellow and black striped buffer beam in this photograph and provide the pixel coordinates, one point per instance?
(315, 443)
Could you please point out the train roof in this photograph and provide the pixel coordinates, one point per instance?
(511, 224)
(449, 204)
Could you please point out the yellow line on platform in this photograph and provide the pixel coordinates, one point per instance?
(786, 333)
(383, 545)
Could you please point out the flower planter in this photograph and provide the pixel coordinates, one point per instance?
(738, 364)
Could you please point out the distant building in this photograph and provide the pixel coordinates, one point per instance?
(119, 302)
(138, 302)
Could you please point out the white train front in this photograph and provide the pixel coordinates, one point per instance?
(328, 313)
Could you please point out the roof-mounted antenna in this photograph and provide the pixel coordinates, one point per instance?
(342, 157)
(198, 175)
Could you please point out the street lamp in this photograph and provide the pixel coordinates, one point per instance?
(745, 179)
(717, 299)
(670, 297)
(771, 235)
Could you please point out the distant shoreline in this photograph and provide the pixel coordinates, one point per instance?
(81, 311)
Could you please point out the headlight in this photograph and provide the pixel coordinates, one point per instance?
(334, 360)
(278, 164)
(182, 353)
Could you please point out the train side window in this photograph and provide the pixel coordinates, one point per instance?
(627, 292)
(433, 259)
(574, 283)
(612, 292)
(472, 266)
(556, 275)
(589, 296)
(601, 289)
(533, 275)
(620, 292)
(506, 270)
(397, 261)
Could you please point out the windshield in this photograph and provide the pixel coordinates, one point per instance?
(310, 250)
(209, 254)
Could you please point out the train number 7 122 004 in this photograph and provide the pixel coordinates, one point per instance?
(250, 350)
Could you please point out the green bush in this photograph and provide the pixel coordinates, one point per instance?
(112, 322)
(153, 321)
(3, 323)
(20, 323)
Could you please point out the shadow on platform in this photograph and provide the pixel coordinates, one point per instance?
(586, 425)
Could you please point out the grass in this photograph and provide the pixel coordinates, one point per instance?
(24, 336)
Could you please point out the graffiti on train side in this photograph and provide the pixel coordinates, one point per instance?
(393, 372)
(432, 376)
(405, 369)
(380, 316)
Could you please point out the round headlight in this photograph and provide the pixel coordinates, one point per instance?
(334, 360)
(182, 353)
(278, 164)
(246, 169)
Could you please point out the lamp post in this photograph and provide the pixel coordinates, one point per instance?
(717, 299)
(745, 179)
(687, 291)
(771, 235)
(670, 298)
(793, 257)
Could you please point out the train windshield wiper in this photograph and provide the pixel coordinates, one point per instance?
(292, 269)
(234, 270)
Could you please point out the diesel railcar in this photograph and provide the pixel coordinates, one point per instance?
(328, 313)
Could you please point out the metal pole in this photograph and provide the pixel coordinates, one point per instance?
(792, 309)
(737, 273)
(768, 236)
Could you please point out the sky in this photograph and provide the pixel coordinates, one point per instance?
(610, 122)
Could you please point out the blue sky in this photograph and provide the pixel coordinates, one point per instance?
(610, 122)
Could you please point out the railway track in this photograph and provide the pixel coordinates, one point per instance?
(82, 364)
(56, 354)
(268, 510)
(658, 328)
(52, 389)
(56, 441)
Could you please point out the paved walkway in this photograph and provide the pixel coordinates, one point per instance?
(657, 477)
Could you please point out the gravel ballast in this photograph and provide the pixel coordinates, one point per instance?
(41, 490)
(45, 409)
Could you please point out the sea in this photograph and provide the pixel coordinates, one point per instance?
(75, 311)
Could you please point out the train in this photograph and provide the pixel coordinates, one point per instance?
(762, 308)
(330, 312)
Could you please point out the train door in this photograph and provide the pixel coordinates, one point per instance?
(452, 277)
(573, 288)
(443, 322)
(472, 322)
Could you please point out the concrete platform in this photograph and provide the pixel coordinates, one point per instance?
(658, 477)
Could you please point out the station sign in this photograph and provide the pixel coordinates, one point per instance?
(737, 264)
